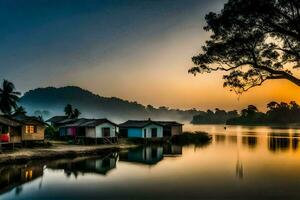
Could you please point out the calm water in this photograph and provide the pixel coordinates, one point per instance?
(240, 163)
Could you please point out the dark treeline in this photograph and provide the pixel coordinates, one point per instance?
(214, 117)
(277, 113)
(50, 101)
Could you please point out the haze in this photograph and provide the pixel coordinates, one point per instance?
(135, 50)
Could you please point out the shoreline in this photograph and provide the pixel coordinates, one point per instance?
(59, 150)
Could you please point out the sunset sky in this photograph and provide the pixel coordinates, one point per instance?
(132, 49)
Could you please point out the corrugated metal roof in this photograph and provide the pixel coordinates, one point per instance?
(8, 121)
(143, 123)
(56, 119)
(82, 122)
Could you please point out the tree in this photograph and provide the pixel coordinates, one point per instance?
(8, 97)
(68, 110)
(254, 41)
(76, 113)
(20, 111)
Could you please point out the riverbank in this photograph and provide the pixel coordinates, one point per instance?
(59, 150)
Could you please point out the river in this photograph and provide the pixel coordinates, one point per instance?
(239, 163)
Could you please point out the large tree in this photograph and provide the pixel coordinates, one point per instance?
(8, 97)
(254, 41)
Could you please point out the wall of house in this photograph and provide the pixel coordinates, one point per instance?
(149, 128)
(90, 132)
(99, 133)
(135, 132)
(176, 130)
(39, 135)
(15, 134)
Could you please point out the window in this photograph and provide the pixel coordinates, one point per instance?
(106, 132)
(145, 133)
(30, 129)
(154, 132)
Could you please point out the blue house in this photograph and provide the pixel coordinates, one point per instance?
(141, 129)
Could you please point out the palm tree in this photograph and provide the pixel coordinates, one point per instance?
(8, 97)
(69, 110)
(76, 113)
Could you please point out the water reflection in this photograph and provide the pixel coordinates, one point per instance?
(240, 163)
(283, 142)
(83, 165)
(249, 141)
(14, 176)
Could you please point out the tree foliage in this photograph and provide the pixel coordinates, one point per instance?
(254, 41)
(70, 112)
(8, 97)
(277, 113)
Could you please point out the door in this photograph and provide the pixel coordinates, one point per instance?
(154, 132)
(106, 132)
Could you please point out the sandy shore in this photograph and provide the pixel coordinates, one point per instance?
(59, 150)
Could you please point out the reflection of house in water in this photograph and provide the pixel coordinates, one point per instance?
(17, 175)
(149, 155)
(172, 150)
(86, 165)
(282, 142)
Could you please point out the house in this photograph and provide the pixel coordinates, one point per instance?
(10, 130)
(55, 121)
(171, 128)
(33, 129)
(90, 130)
(21, 129)
(150, 129)
(141, 129)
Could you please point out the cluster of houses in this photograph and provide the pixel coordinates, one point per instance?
(23, 129)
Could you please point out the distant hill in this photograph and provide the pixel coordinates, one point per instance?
(91, 105)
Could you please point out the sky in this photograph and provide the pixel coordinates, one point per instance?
(139, 50)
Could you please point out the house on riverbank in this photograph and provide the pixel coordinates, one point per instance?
(21, 129)
(150, 129)
(90, 130)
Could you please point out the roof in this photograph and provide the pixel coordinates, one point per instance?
(56, 119)
(96, 122)
(138, 123)
(27, 119)
(8, 121)
(169, 123)
(143, 123)
(82, 122)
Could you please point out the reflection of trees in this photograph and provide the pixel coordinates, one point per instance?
(295, 142)
(220, 138)
(278, 143)
(250, 141)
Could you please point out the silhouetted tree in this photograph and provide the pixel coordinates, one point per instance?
(20, 110)
(76, 113)
(8, 97)
(68, 110)
(254, 41)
